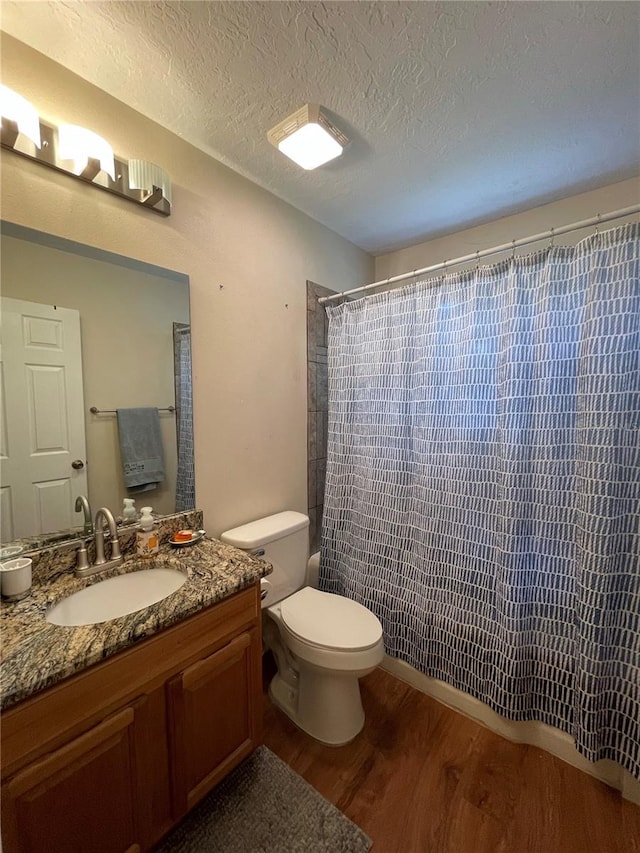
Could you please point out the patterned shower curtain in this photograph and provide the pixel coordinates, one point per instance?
(483, 483)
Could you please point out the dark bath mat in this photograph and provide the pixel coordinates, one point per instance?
(263, 806)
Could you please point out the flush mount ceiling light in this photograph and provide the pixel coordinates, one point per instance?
(18, 116)
(308, 137)
(81, 153)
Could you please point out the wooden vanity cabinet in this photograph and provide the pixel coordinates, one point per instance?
(110, 759)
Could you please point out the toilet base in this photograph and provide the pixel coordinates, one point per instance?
(325, 705)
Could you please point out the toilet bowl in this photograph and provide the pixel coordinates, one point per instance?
(322, 643)
(333, 642)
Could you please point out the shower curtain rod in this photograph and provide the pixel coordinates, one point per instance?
(475, 256)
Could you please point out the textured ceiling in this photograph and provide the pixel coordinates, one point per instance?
(458, 112)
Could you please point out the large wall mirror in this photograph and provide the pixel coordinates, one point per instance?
(84, 329)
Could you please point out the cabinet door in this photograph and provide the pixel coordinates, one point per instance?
(214, 718)
(80, 798)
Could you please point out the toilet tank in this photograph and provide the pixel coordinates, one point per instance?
(284, 538)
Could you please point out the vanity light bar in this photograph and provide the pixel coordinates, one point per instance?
(149, 187)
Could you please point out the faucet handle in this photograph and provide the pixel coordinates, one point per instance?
(82, 560)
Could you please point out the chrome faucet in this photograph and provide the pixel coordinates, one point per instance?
(102, 515)
(83, 569)
(83, 505)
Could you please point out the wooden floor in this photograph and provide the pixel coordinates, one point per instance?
(421, 778)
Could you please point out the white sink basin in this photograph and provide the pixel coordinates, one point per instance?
(115, 597)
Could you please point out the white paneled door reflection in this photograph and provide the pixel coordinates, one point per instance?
(42, 423)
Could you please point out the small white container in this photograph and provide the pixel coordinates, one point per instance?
(15, 578)
(10, 552)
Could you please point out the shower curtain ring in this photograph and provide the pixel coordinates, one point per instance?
(553, 238)
(477, 259)
(513, 250)
(598, 224)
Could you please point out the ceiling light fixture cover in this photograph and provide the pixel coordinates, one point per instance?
(81, 146)
(308, 137)
(146, 176)
(16, 109)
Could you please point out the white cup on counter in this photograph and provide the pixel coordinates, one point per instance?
(15, 578)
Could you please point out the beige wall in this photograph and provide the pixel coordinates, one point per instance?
(126, 319)
(500, 231)
(248, 256)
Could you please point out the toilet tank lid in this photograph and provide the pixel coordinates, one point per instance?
(265, 530)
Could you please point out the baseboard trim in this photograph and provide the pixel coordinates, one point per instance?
(545, 737)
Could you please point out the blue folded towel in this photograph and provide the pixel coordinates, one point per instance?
(141, 448)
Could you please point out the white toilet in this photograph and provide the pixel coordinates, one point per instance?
(322, 643)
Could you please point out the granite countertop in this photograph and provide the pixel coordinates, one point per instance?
(36, 654)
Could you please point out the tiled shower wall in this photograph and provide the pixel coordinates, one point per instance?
(317, 407)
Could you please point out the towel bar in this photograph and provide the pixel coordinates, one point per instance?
(95, 411)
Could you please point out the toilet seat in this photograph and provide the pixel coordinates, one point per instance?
(330, 621)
